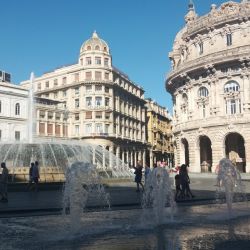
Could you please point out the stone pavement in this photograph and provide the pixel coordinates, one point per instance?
(122, 195)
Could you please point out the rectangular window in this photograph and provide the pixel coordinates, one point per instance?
(55, 82)
(106, 101)
(41, 128)
(88, 75)
(50, 129)
(106, 89)
(77, 104)
(64, 93)
(98, 115)
(98, 128)
(98, 60)
(98, 101)
(106, 76)
(47, 85)
(200, 48)
(88, 115)
(64, 80)
(77, 91)
(88, 128)
(106, 128)
(88, 88)
(88, 101)
(58, 116)
(98, 88)
(57, 130)
(0, 135)
(50, 115)
(107, 116)
(77, 117)
(98, 75)
(88, 61)
(76, 77)
(17, 135)
(77, 130)
(106, 62)
(55, 95)
(229, 39)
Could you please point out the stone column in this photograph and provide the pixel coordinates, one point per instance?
(247, 155)
(135, 158)
(131, 158)
(151, 159)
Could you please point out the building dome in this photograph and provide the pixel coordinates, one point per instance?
(94, 44)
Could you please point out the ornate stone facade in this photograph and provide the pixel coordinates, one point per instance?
(210, 87)
(159, 134)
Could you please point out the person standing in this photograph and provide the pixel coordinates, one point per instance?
(138, 176)
(30, 175)
(35, 174)
(147, 173)
(4, 182)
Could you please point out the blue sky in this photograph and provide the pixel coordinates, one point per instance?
(41, 35)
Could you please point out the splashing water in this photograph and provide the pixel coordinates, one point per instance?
(230, 184)
(82, 181)
(158, 194)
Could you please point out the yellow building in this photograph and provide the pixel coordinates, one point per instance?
(159, 134)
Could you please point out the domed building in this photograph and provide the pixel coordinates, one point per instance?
(103, 106)
(210, 86)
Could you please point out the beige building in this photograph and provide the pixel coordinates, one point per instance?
(159, 134)
(105, 107)
(210, 86)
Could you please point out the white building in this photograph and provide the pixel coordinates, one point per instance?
(13, 112)
(210, 86)
(105, 107)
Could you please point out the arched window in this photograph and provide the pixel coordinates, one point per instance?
(17, 109)
(97, 47)
(89, 48)
(203, 92)
(105, 49)
(233, 102)
(185, 98)
(231, 86)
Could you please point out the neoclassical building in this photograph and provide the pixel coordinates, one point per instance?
(159, 133)
(13, 111)
(104, 106)
(210, 86)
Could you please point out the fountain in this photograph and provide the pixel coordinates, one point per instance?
(157, 196)
(229, 184)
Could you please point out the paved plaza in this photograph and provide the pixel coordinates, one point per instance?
(123, 195)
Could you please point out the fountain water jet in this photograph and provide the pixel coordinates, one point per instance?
(157, 196)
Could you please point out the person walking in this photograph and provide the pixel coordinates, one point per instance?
(138, 176)
(30, 175)
(4, 183)
(35, 175)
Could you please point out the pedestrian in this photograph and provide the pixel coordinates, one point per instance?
(138, 176)
(185, 181)
(35, 175)
(30, 175)
(177, 186)
(4, 183)
(147, 172)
